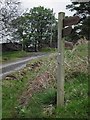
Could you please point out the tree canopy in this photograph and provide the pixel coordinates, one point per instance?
(82, 10)
(36, 27)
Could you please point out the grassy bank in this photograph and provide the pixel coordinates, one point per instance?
(27, 95)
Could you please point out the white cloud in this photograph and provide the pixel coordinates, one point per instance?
(57, 5)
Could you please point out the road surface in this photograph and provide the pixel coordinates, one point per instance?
(8, 68)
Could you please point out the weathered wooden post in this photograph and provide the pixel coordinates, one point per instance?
(60, 60)
(62, 32)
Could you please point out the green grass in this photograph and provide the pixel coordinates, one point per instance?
(11, 91)
(9, 56)
(76, 98)
(37, 104)
(43, 103)
(76, 102)
(14, 55)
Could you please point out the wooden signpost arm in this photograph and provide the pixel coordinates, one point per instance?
(60, 67)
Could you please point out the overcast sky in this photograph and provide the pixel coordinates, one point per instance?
(57, 5)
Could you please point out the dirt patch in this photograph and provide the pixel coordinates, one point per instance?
(40, 83)
(11, 77)
(34, 66)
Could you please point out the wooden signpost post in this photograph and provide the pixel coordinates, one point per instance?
(60, 60)
(62, 22)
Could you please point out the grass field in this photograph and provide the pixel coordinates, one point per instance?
(15, 55)
(24, 97)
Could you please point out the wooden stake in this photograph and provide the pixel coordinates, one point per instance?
(60, 69)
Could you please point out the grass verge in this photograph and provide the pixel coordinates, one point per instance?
(9, 56)
(14, 55)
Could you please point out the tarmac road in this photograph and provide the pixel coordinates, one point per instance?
(8, 68)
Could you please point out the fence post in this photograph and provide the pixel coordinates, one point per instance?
(60, 60)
